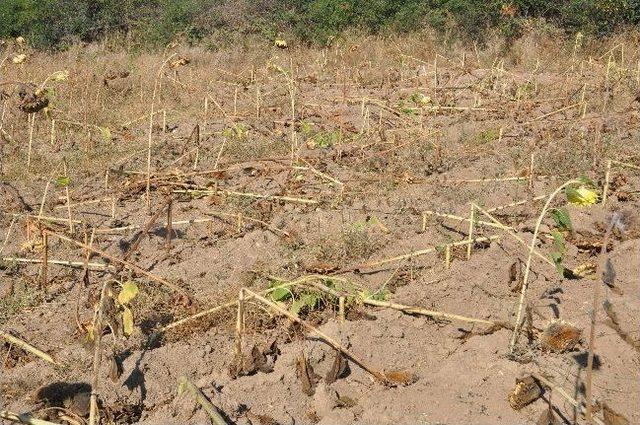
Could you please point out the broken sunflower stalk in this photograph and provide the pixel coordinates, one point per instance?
(212, 411)
(579, 192)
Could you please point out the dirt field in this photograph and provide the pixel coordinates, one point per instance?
(353, 179)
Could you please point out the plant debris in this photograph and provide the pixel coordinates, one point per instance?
(253, 361)
(400, 377)
(306, 375)
(339, 369)
(559, 336)
(526, 391)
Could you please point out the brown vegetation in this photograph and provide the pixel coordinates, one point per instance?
(377, 214)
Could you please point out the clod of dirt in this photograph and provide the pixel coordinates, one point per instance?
(306, 375)
(78, 403)
(611, 417)
(559, 337)
(122, 413)
(400, 377)
(339, 369)
(312, 416)
(526, 391)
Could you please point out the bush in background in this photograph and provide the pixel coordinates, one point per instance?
(56, 23)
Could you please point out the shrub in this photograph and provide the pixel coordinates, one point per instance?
(53, 23)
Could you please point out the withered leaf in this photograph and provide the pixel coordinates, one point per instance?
(614, 323)
(400, 377)
(114, 369)
(261, 419)
(260, 360)
(346, 401)
(307, 376)
(251, 362)
(526, 391)
(515, 276)
(339, 369)
(609, 277)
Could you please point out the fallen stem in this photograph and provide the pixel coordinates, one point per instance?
(28, 347)
(208, 407)
(126, 264)
(23, 418)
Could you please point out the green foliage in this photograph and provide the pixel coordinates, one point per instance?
(381, 294)
(63, 181)
(487, 136)
(562, 219)
(308, 301)
(56, 23)
(559, 251)
(279, 294)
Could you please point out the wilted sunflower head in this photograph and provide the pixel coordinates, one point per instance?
(19, 58)
(581, 195)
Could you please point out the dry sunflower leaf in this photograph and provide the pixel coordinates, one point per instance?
(585, 270)
(339, 369)
(400, 377)
(526, 391)
(306, 375)
(18, 59)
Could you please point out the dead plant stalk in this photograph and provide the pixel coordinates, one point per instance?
(525, 279)
(151, 115)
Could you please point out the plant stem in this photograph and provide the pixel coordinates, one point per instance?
(592, 329)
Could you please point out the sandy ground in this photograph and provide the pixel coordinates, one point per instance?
(390, 170)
